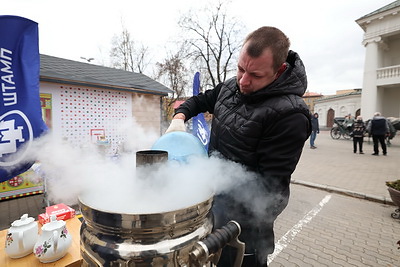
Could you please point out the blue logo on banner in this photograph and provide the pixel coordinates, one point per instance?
(20, 110)
(200, 127)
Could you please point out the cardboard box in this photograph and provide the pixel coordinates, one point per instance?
(62, 212)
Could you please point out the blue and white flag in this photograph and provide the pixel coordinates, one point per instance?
(200, 127)
(20, 109)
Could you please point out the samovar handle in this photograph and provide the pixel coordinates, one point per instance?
(210, 248)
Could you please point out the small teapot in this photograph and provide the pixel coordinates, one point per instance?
(21, 237)
(54, 241)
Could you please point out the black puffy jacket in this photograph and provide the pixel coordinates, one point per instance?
(265, 131)
(379, 126)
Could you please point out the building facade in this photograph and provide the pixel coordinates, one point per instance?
(381, 82)
(310, 98)
(82, 102)
(338, 105)
(86, 104)
(381, 79)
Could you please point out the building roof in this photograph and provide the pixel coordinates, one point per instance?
(382, 9)
(312, 94)
(353, 93)
(60, 70)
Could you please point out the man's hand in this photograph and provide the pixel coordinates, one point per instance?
(177, 124)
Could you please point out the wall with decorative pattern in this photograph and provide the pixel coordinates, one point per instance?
(82, 114)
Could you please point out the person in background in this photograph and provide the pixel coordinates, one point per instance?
(378, 127)
(358, 134)
(260, 121)
(348, 122)
(314, 130)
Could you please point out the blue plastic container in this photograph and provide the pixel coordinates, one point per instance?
(180, 146)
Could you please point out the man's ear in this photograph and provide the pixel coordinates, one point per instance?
(281, 70)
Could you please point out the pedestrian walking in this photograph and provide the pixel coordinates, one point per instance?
(378, 127)
(358, 134)
(314, 130)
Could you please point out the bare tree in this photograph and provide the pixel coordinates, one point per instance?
(126, 54)
(213, 43)
(172, 72)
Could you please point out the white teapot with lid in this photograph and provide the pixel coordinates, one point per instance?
(54, 241)
(21, 237)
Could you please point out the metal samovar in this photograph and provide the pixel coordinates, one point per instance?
(183, 237)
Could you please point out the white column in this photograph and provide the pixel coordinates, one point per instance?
(369, 89)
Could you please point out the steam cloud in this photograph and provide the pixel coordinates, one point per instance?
(116, 185)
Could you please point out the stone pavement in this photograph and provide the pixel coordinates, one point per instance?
(13, 209)
(350, 230)
(324, 229)
(333, 166)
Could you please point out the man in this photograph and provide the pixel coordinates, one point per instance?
(314, 130)
(378, 127)
(358, 134)
(260, 121)
(348, 122)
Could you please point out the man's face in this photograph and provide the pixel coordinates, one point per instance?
(254, 74)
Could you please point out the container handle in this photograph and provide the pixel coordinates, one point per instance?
(20, 240)
(55, 240)
(210, 248)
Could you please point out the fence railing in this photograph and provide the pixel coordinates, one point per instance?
(388, 72)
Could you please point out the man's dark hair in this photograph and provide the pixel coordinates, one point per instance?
(272, 38)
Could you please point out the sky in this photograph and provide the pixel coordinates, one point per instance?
(323, 33)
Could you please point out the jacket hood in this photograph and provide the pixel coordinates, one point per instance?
(292, 81)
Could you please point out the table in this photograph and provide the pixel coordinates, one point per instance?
(71, 259)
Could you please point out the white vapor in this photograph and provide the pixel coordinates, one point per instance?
(115, 185)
